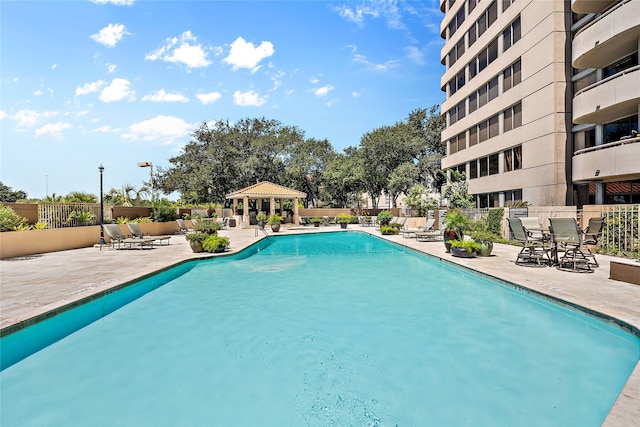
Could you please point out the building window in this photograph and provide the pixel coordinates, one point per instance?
(512, 75)
(621, 65)
(492, 89)
(511, 34)
(471, 5)
(493, 126)
(456, 83)
(473, 31)
(513, 159)
(620, 128)
(456, 113)
(473, 169)
(513, 117)
(483, 131)
(473, 102)
(456, 21)
(473, 136)
(457, 143)
(456, 52)
(506, 4)
(493, 164)
(461, 110)
(584, 139)
(584, 81)
(512, 197)
(483, 166)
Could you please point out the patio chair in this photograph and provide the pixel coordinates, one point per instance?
(567, 239)
(183, 226)
(535, 251)
(532, 224)
(136, 231)
(411, 232)
(116, 237)
(591, 236)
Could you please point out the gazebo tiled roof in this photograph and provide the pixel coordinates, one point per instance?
(266, 189)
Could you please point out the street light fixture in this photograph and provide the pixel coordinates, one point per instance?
(102, 242)
(150, 166)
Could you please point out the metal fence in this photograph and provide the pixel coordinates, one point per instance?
(61, 215)
(621, 229)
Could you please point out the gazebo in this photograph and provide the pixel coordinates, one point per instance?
(264, 195)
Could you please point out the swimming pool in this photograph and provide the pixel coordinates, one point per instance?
(339, 328)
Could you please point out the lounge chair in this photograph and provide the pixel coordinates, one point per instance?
(116, 237)
(136, 231)
(183, 226)
(411, 232)
(567, 239)
(428, 233)
(535, 251)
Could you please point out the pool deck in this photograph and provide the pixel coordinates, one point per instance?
(35, 285)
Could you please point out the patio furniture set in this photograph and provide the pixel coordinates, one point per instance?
(543, 246)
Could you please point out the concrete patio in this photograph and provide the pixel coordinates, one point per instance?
(32, 286)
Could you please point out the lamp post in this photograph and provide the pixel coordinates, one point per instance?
(150, 166)
(102, 242)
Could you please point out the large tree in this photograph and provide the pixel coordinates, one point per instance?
(8, 195)
(427, 126)
(225, 157)
(343, 180)
(307, 162)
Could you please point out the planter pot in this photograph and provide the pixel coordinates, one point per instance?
(462, 253)
(220, 249)
(487, 247)
(275, 227)
(449, 235)
(343, 225)
(316, 224)
(196, 246)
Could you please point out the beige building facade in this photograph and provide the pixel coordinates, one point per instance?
(521, 121)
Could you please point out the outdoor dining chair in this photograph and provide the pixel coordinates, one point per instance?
(567, 239)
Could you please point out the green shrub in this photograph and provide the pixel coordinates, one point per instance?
(40, 225)
(163, 211)
(387, 229)
(196, 237)
(469, 245)
(343, 218)
(316, 220)
(214, 242)
(494, 221)
(483, 236)
(10, 220)
(275, 219)
(122, 220)
(81, 216)
(385, 217)
(208, 227)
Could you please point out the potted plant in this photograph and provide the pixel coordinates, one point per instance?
(215, 243)
(208, 226)
(464, 249)
(316, 220)
(455, 223)
(388, 230)
(274, 221)
(195, 240)
(261, 217)
(384, 218)
(343, 219)
(486, 240)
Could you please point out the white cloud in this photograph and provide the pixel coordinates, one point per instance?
(3, 115)
(110, 35)
(164, 129)
(415, 54)
(111, 68)
(52, 129)
(89, 88)
(26, 118)
(208, 98)
(314, 80)
(248, 99)
(244, 54)
(183, 50)
(393, 63)
(323, 91)
(116, 2)
(104, 129)
(162, 96)
(38, 92)
(358, 14)
(117, 91)
(54, 66)
(355, 94)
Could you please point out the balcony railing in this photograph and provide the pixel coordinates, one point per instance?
(603, 16)
(608, 79)
(627, 140)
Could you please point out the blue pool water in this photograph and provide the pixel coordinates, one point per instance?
(332, 329)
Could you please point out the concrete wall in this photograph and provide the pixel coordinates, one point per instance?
(27, 210)
(24, 243)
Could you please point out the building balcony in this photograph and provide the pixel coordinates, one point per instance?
(615, 161)
(590, 6)
(609, 99)
(608, 38)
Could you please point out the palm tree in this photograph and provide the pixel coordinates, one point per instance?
(80, 197)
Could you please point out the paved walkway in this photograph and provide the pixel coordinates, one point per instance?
(35, 285)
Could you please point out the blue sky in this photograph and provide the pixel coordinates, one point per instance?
(116, 82)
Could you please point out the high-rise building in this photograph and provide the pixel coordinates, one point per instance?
(538, 95)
